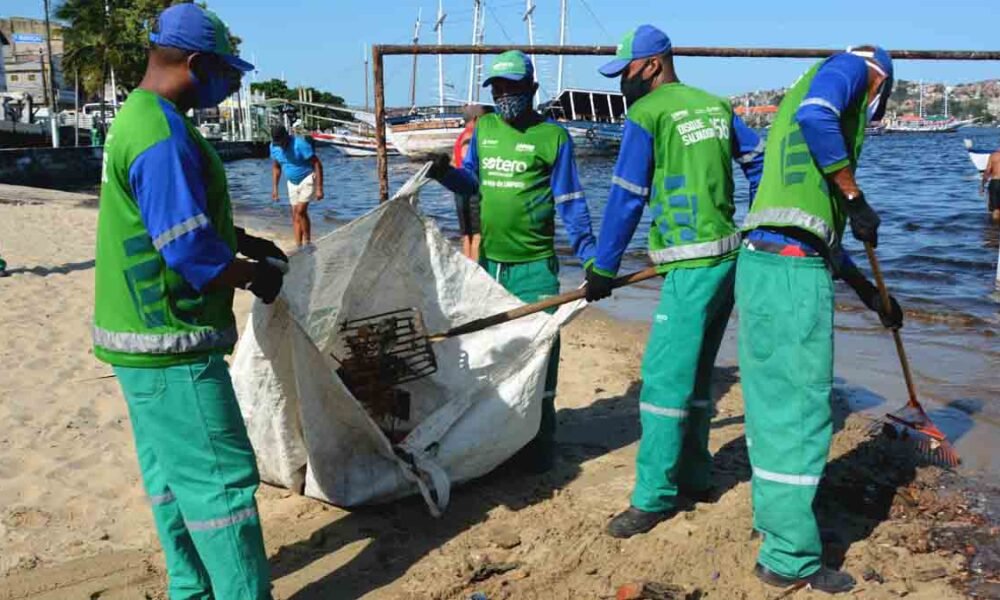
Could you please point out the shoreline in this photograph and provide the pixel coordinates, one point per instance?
(74, 521)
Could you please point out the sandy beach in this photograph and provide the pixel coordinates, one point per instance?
(74, 522)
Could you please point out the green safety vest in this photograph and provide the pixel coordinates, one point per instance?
(691, 199)
(793, 190)
(517, 206)
(146, 314)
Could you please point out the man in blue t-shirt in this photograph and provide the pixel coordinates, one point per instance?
(295, 155)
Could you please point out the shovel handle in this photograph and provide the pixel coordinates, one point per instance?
(537, 307)
(884, 294)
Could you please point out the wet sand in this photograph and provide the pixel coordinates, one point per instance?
(74, 522)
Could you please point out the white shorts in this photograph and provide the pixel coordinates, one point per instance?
(303, 192)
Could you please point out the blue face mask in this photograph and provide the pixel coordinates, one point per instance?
(212, 91)
(511, 106)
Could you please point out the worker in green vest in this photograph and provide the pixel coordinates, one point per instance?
(678, 148)
(163, 310)
(784, 292)
(522, 166)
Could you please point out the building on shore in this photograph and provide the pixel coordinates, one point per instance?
(27, 64)
(757, 116)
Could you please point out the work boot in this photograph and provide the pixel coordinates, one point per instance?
(707, 495)
(634, 521)
(826, 579)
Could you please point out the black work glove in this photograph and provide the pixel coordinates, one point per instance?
(440, 168)
(864, 220)
(257, 248)
(266, 282)
(598, 286)
(891, 317)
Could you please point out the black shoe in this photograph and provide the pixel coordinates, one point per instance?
(826, 579)
(634, 521)
(707, 495)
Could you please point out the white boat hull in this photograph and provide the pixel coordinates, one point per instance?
(354, 146)
(424, 143)
(978, 157)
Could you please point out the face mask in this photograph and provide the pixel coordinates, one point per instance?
(212, 90)
(876, 108)
(511, 106)
(635, 87)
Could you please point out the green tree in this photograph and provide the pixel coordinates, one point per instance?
(273, 88)
(113, 34)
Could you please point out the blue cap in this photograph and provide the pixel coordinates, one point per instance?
(878, 58)
(190, 27)
(513, 65)
(644, 42)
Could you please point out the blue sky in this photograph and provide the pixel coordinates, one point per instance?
(321, 42)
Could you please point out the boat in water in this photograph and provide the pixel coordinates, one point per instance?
(595, 119)
(920, 123)
(350, 143)
(979, 156)
(875, 129)
(915, 124)
(419, 133)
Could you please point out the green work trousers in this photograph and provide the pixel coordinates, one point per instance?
(199, 471)
(786, 367)
(675, 406)
(531, 282)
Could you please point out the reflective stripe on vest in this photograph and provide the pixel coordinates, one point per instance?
(793, 217)
(164, 343)
(699, 250)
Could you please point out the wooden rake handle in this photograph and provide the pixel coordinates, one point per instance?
(886, 304)
(537, 307)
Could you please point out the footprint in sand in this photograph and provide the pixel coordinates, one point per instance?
(26, 517)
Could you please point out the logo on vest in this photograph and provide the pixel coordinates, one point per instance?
(697, 130)
(524, 148)
(680, 114)
(502, 166)
(490, 143)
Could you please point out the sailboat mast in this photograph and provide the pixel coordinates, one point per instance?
(921, 99)
(364, 52)
(439, 27)
(529, 18)
(562, 42)
(476, 8)
(413, 76)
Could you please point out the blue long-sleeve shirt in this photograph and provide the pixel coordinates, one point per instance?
(633, 179)
(838, 84)
(567, 193)
(170, 187)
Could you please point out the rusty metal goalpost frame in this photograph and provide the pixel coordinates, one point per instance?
(380, 51)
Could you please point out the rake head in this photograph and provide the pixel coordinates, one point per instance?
(911, 424)
(382, 352)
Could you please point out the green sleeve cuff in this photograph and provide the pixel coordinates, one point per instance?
(840, 164)
(589, 266)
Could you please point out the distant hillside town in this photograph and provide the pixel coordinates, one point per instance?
(979, 100)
